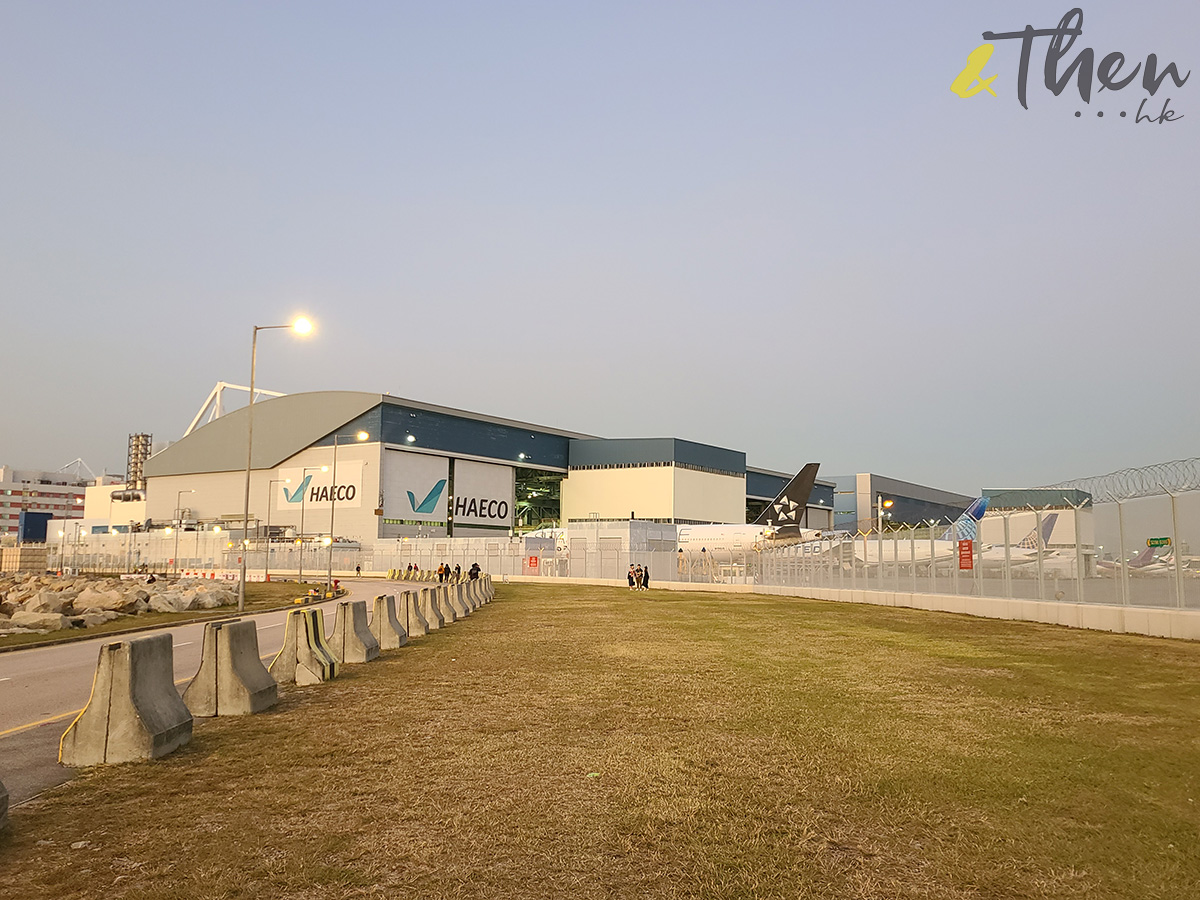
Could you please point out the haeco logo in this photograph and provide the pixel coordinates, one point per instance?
(429, 504)
(323, 494)
(1109, 73)
(297, 495)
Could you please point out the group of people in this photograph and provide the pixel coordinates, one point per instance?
(446, 572)
(639, 577)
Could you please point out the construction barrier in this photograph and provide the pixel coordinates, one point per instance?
(3, 805)
(385, 627)
(134, 712)
(461, 608)
(305, 657)
(414, 620)
(232, 680)
(433, 617)
(352, 640)
(441, 597)
(489, 589)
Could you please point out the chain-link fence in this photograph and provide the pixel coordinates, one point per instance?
(1135, 553)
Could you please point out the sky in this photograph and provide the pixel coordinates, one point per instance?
(766, 226)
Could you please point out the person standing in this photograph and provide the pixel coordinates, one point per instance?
(457, 572)
(645, 578)
(632, 578)
(637, 577)
(358, 571)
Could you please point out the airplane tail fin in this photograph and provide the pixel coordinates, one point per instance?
(1030, 541)
(1144, 558)
(786, 510)
(966, 527)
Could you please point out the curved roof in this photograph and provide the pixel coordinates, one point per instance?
(283, 426)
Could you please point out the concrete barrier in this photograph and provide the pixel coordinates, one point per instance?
(134, 712)
(352, 639)
(441, 596)
(3, 805)
(414, 620)
(385, 627)
(232, 680)
(459, 596)
(433, 617)
(306, 657)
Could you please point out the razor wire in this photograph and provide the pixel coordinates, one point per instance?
(1175, 477)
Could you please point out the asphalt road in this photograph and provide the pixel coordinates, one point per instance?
(43, 688)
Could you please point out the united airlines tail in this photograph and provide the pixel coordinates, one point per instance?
(966, 526)
(1030, 541)
(786, 510)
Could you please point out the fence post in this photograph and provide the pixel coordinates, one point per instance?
(1175, 551)
(1123, 570)
(1008, 590)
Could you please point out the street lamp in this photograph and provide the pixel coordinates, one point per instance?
(179, 526)
(304, 472)
(62, 549)
(301, 326)
(360, 436)
(270, 501)
(880, 506)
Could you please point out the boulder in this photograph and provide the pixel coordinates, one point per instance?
(48, 621)
(47, 601)
(91, 598)
(170, 602)
(92, 617)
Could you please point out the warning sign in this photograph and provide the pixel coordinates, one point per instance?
(966, 557)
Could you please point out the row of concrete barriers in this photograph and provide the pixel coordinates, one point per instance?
(424, 575)
(136, 712)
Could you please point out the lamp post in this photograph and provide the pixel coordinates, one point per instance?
(178, 526)
(270, 500)
(62, 548)
(360, 436)
(303, 473)
(300, 326)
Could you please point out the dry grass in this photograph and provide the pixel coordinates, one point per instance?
(583, 742)
(259, 596)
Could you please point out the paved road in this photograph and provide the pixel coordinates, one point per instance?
(43, 688)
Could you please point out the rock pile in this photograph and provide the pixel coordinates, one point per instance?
(40, 604)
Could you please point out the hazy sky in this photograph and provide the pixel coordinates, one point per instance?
(767, 226)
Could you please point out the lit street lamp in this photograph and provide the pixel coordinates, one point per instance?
(270, 501)
(178, 526)
(300, 326)
(361, 436)
(303, 473)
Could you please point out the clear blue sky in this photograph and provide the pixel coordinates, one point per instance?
(768, 226)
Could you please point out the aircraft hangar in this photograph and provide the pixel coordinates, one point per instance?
(384, 467)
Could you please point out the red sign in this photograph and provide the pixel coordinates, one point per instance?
(533, 562)
(966, 559)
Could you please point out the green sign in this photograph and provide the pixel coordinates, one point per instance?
(1158, 542)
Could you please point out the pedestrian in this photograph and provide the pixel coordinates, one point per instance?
(645, 578)
(637, 577)
(358, 571)
(457, 572)
(445, 571)
(440, 572)
(632, 578)
(409, 569)
(473, 572)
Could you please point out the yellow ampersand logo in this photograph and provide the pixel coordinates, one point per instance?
(969, 83)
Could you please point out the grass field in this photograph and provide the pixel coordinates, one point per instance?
(259, 596)
(590, 742)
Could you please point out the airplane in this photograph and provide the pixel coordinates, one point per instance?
(778, 524)
(898, 550)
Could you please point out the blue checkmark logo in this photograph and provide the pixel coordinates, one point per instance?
(430, 502)
(298, 494)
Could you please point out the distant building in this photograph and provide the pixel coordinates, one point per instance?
(856, 501)
(33, 491)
